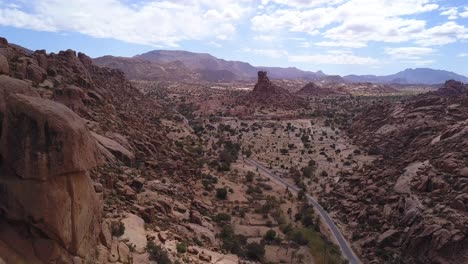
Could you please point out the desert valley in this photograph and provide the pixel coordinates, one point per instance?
(179, 157)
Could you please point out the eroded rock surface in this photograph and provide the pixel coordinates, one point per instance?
(46, 151)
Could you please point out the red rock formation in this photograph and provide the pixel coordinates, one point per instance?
(312, 89)
(422, 219)
(46, 151)
(267, 93)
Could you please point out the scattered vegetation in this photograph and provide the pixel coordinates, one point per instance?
(156, 253)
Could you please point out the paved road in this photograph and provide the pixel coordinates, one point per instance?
(344, 246)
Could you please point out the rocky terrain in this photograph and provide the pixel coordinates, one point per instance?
(140, 69)
(410, 204)
(267, 93)
(95, 168)
(312, 89)
(71, 132)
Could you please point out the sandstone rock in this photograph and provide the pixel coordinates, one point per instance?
(42, 139)
(463, 172)
(440, 238)
(265, 92)
(459, 205)
(192, 251)
(98, 188)
(4, 66)
(9, 85)
(162, 236)
(138, 183)
(46, 151)
(105, 235)
(196, 218)
(390, 237)
(412, 211)
(42, 59)
(114, 252)
(124, 252)
(141, 259)
(204, 257)
(70, 96)
(35, 73)
(77, 260)
(135, 232)
(116, 149)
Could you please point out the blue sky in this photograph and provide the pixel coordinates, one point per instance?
(335, 36)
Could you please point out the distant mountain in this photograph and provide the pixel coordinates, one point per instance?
(291, 73)
(410, 76)
(207, 62)
(140, 69)
(201, 61)
(184, 65)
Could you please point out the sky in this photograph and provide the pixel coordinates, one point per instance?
(336, 36)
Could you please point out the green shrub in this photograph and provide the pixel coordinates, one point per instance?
(157, 254)
(255, 251)
(221, 193)
(181, 247)
(232, 242)
(222, 217)
(270, 235)
(117, 229)
(250, 176)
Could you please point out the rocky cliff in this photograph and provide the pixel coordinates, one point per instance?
(267, 93)
(69, 129)
(411, 204)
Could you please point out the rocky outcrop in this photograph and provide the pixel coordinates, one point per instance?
(267, 93)
(312, 89)
(453, 88)
(49, 208)
(4, 66)
(415, 189)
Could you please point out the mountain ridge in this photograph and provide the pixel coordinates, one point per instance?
(210, 68)
(410, 76)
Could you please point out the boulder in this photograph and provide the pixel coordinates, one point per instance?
(388, 238)
(9, 85)
(4, 66)
(135, 232)
(463, 172)
(46, 152)
(114, 252)
(116, 149)
(35, 73)
(70, 96)
(106, 236)
(124, 252)
(41, 139)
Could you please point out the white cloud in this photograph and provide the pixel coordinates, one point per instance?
(345, 44)
(465, 13)
(419, 62)
(214, 44)
(338, 59)
(446, 33)
(266, 38)
(304, 44)
(462, 55)
(409, 53)
(451, 13)
(302, 3)
(354, 23)
(272, 53)
(150, 22)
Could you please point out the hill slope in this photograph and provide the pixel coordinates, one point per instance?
(410, 76)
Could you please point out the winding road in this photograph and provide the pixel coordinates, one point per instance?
(344, 245)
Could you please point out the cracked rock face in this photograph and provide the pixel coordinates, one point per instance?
(46, 195)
